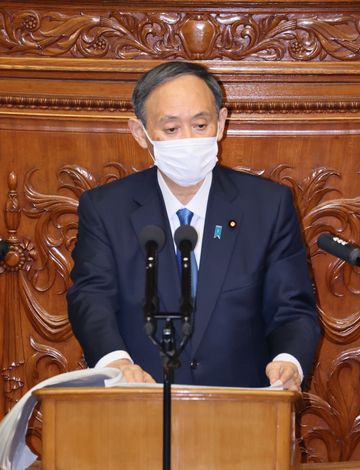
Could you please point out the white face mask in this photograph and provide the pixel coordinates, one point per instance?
(185, 161)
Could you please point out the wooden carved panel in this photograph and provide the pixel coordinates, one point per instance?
(291, 76)
(19, 269)
(229, 33)
(335, 408)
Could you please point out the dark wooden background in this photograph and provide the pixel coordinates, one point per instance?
(291, 75)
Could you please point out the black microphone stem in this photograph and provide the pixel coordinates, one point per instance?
(152, 238)
(151, 299)
(185, 238)
(186, 301)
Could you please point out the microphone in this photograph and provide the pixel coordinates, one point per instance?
(4, 248)
(338, 247)
(186, 238)
(152, 238)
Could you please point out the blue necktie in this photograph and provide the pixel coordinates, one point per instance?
(185, 216)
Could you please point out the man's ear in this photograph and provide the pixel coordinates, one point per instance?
(137, 130)
(222, 120)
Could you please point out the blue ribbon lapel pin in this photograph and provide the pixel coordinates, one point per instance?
(217, 231)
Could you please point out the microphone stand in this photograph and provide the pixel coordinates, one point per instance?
(170, 361)
(167, 346)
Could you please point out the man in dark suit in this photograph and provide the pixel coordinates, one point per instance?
(255, 318)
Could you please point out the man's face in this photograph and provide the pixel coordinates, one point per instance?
(181, 108)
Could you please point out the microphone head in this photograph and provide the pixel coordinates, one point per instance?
(152, 233)
(4, 248)
(330, 243)
(338, 247)
(186, 233)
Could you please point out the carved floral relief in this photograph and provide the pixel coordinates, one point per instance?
(34, 268)
(336, 405)
(179, 34)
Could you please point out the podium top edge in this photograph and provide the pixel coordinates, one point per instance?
(177, 393)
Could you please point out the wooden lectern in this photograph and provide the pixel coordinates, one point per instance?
(212, 429)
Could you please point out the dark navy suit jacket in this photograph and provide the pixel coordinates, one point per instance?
(254, 299)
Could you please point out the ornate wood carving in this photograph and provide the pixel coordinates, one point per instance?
(18, 258)
(32, 272)
(47, 268)
(340, 330)
(44, 353)
(336, 404)
(350, 104)
(21, 275)
(227, 34)
(76, 104)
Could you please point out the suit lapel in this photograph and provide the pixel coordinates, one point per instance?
(216, 252)
(151, 211)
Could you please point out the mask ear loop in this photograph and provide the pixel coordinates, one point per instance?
(147, 135)
(151, 142)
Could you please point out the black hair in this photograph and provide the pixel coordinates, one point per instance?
(168, 71)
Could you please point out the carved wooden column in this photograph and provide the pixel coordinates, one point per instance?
(19, 257)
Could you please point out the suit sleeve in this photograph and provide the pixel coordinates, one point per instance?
(289, 300)
(93, 298)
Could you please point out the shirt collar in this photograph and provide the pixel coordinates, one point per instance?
(197, 204)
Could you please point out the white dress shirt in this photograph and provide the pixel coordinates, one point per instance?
(197, 206)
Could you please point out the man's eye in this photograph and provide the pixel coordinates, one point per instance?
(201, 126)
(170, 130)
